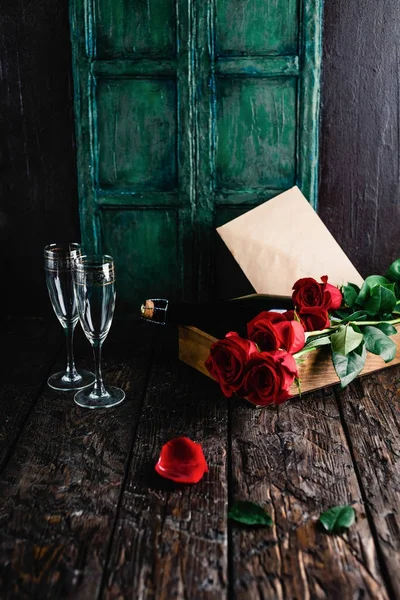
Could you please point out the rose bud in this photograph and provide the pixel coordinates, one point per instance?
(227, 360)
(182, 461)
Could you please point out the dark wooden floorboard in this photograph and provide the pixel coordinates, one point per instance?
(84, 515)
(29, 349)
(294, 460)
(371, 413)
(61, 488)
(170, 540)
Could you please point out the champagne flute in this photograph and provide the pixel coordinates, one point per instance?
(94, 285)
(58, 262)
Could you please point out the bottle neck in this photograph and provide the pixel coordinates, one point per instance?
(231, 313)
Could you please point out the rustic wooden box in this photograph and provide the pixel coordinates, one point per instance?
(315, 372)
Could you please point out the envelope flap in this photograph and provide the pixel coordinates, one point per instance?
(283, 240)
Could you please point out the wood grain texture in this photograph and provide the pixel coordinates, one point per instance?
(294, 460)
(170, 539)
(84, 515)
(315, 371)
(60, 491)
(38, 192)
(371, 413)
(30, 348)
(359, 191)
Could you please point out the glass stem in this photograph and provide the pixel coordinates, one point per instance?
(98, 389)
(70, 370)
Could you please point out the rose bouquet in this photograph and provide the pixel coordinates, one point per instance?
(351, 320)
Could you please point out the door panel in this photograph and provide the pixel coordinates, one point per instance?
(188, 113)
(130, 28)
(156, 268)
(256, 133)
(136, 134)
(256, 27)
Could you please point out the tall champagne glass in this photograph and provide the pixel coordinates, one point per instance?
(58, 262)
(94, 284)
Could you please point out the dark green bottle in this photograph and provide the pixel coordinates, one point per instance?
(230, 315)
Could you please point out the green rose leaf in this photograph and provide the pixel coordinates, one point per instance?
(359, 315)
(315, 341)
(249, 513)
(350, 293)
(393, 272)
(377, 342)
(386, 328)
(345, 339)
(348, 367)
(338, 518)
(367, 286)
(381, 300)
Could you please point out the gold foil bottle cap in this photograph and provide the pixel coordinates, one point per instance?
(154, 310)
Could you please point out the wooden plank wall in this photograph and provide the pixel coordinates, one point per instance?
(359, 189)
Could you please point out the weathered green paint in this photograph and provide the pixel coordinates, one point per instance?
(256, 27)
(256, 133)
(140, 229)
(136, 134)
(187, 114)
(135, 28)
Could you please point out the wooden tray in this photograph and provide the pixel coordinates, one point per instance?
(315, 372)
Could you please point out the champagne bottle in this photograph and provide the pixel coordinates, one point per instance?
(232, 313)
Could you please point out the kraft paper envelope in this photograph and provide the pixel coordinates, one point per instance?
(283, 240)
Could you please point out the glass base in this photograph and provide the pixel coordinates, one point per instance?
(61, 381)
(87, 399)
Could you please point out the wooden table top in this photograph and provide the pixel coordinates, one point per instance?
(84, 515)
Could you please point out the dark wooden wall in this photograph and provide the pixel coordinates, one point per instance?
(359, 197)
(38, 188)
(360, 134)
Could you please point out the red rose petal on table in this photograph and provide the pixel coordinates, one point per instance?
(182, 460)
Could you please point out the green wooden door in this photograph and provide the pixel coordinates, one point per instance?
(189, 113)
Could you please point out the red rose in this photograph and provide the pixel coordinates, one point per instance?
(291, 336)
(271, 331)
(314, 319)
(182, 460)
(289, 315)
(308, 293)
(268, 378)
(261, 330)
(336, 294)
(227, 361)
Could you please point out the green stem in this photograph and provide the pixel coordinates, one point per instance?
(392, 322)
(310, 334)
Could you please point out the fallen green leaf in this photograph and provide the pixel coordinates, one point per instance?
(249, 513)
(337, 518)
